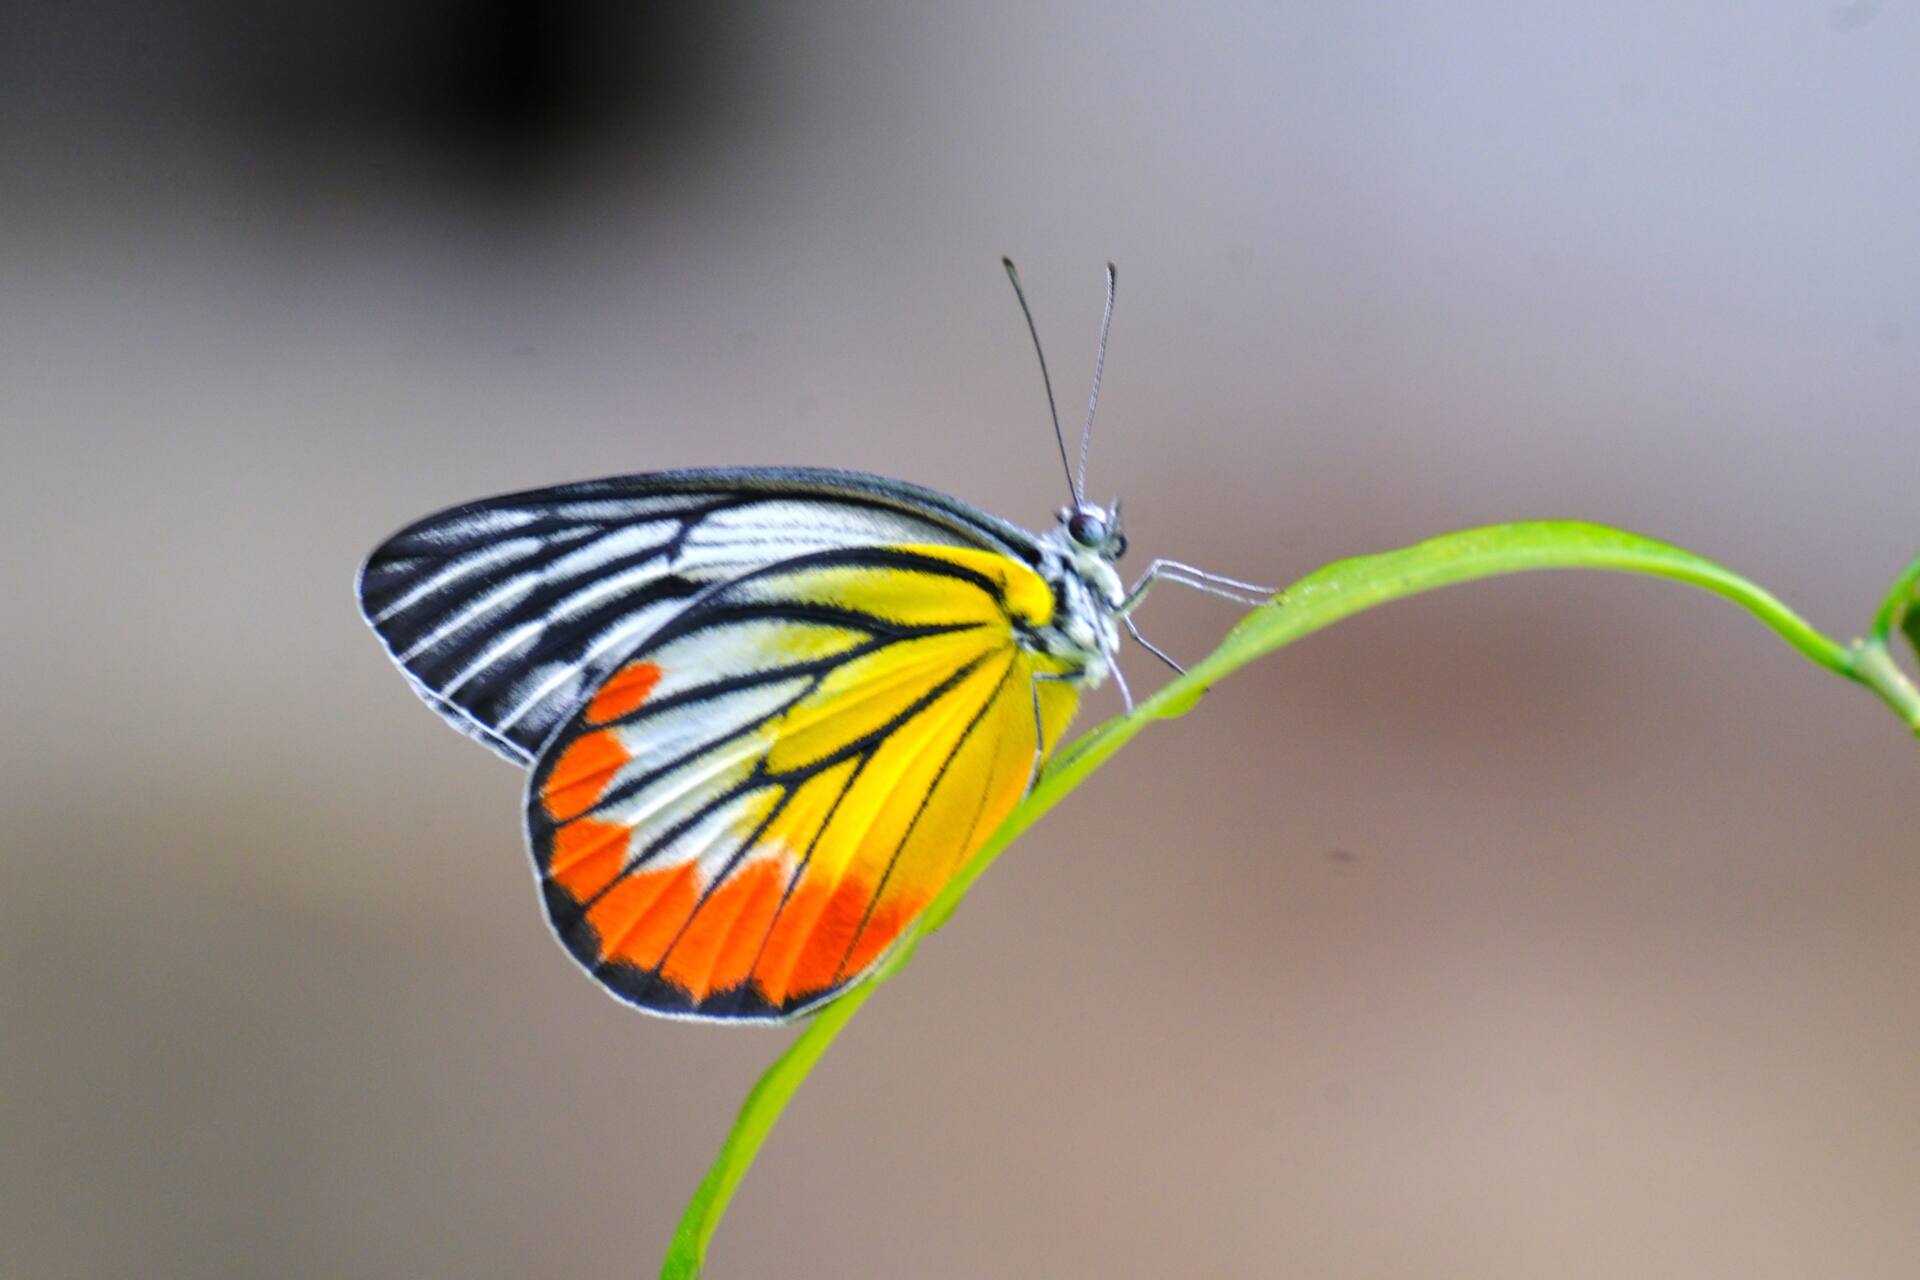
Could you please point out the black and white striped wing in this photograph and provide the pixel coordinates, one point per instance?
(505, 614)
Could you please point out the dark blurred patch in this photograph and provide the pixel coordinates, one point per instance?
(511, 89)
(513, 92)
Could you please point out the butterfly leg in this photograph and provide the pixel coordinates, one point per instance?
(1120, 680)
(1186, 575)
(1039, 736)
(1213, 584)
(1133, 629)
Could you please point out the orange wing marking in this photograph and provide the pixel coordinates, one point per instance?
(693, 961)
(623, 692)
(690, 952)
(581, 774)
(588, 855)
(638, 917)
(800, 907)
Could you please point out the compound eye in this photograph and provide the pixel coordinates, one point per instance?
(1087, 530)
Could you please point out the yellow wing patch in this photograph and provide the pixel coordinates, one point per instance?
(753, 807)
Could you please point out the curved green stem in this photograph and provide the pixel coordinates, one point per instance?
(1873, 666)
(1317, 601)
(1365, 581)
(1902, 605)
(1873, 663)
(764, 1103)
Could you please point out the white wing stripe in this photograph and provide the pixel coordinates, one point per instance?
(600, 588)
(583, 559)
(680, 730)
(515, 639)
(472, 562)
(625, 540)
(512, 590)
(628, 627)
(470, 526)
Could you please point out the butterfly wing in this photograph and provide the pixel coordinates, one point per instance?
(762, 796)
(505, 614)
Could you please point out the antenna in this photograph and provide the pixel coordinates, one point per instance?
(1072, 486)
(1093, 401)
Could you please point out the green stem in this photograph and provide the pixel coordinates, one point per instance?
(763, 1105)
(1317, 601)
(1899, 603)
(1873, 666)
(1872, 658)
(1535, 545)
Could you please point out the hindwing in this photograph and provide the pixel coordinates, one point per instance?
(759, 798)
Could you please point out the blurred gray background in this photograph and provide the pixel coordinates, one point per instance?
(1560, 925)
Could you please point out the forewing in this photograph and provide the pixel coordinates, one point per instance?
(504, 614)
(757, 802)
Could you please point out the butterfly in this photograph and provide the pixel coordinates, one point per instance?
(766, 713)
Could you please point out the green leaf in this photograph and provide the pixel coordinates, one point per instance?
(1315, 602)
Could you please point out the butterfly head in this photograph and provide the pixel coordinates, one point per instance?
(1094, 529)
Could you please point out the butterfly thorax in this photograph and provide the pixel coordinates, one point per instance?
(1076, 561)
